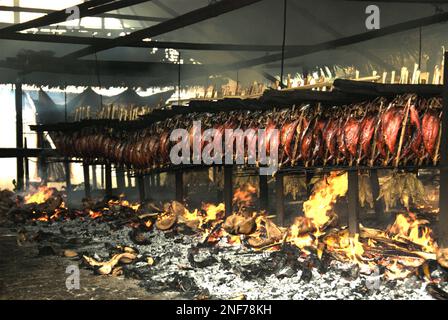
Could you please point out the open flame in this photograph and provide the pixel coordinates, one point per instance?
(212, 212)
(349, 248)
(40, 196)
(325, 194)
(305, 231)
(124, 203)
(409, 227)
(402, 247)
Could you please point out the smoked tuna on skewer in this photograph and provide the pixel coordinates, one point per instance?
(400, 131)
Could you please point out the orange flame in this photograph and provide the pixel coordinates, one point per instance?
(42, 194)
(325, 194)
(95, 214)
(409, 227)
(124, 203)
(213, 212)
(349, 247)
(305, 230)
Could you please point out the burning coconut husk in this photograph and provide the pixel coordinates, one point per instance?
(237, 224)
(48, 204)
(166, 221)
(127, 256)
(175, 213)
(42, 204)
(266, 233)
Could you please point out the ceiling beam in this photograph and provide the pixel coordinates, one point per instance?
(52, 18)
(103, 15)
(184, 20)
(344, 41)
(145, 44)
(62, 30)
(39, 63)
(120, 4)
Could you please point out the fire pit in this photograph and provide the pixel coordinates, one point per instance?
(171, 250)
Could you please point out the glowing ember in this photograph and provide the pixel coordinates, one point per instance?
(124, 203)
(95, 214)
(148, 224)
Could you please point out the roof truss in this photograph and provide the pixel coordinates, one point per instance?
(192, 17)
(103, 15)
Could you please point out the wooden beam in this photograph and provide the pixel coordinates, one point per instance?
(280, 198)
(94, 178)
(86, 173)
(19, 134)
(121, 181)
(103, 184)
(443, 199)
(353, 202)
(68, 176)
(129, 178)
(152, 180)
(40, 145)
(112, 6)
(27, 168)
(179, 181)
(50, 38)
(141, 188)
(344, 41)
(42, 159)
(147, 182)
(264, 192)
(176, 23)
(108, 179)
(228, 189)
(30, 153)
(308, 177)
(103, 15)
(105, 68)
(59, 29)
(378, 203)
(44, 173)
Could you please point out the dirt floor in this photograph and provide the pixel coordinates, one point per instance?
(27, 275)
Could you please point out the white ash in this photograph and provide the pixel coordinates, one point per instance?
(233, 273)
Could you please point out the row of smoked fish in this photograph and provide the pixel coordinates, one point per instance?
(405, 130)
